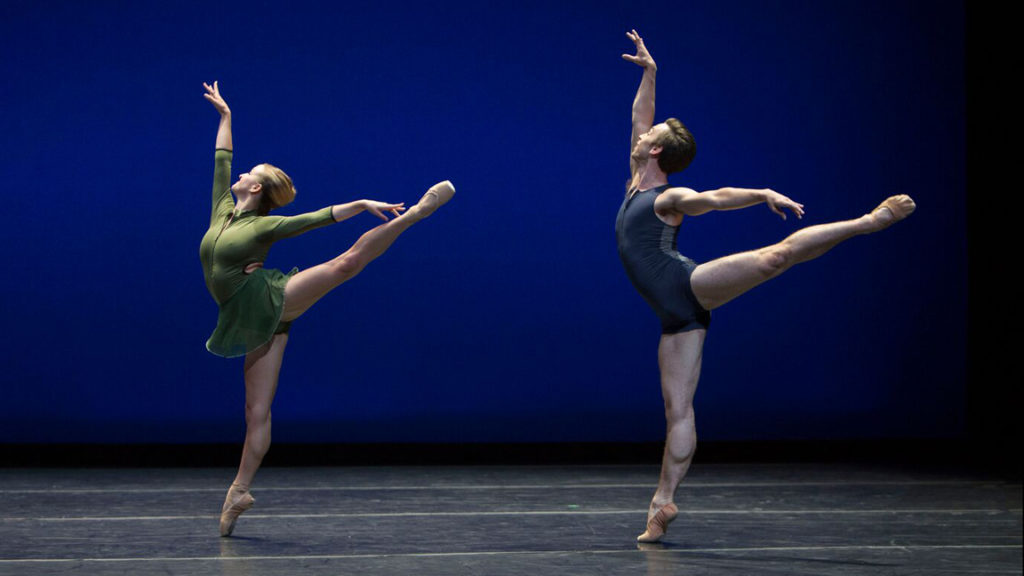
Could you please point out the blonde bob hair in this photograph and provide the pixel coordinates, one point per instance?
(277, 189)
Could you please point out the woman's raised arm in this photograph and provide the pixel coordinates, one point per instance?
(224, 130)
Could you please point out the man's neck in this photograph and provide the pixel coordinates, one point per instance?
(649, 176)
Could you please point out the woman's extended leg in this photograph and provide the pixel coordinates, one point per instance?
(308, 286)
(719, 281)
(262, 367)
(679, 360)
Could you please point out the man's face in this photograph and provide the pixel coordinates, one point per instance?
(648, 141)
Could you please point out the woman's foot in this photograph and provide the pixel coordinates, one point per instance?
(436, 196)
(657, 525)
(237, 501)
(892, 210)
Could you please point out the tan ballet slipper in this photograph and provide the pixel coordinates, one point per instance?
(657, 526)
(237, 501)
(900, 206)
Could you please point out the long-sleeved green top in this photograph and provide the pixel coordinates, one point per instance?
(235, 240)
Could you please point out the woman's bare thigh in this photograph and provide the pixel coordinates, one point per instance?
(305, 288)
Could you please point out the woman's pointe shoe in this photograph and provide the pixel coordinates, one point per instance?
(237, 501)
(899, 206)
(436, 196)
(658, 524)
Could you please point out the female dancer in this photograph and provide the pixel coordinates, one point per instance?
(257, 305)
(682, 292)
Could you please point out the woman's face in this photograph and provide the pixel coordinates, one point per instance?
(249, 181)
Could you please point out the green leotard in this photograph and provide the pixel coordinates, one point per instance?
(250, 304)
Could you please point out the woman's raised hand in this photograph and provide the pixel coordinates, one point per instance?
(213, 95)
(378, 208)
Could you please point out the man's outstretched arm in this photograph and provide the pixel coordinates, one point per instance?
(643, 104)
(692, 203)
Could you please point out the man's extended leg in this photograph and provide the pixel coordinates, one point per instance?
(719, 281)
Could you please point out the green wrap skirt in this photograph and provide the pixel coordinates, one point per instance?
(251, 317)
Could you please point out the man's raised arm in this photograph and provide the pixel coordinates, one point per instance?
(643, 104)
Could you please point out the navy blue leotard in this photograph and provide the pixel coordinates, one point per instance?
(647, 247)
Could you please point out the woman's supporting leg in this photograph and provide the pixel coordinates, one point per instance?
(262, 368)
(308, 286)
(679, 360)
(719, 281)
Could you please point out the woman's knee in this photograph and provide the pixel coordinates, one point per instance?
(347, 265)
(257, 414)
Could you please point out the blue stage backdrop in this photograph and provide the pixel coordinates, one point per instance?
(507, 316)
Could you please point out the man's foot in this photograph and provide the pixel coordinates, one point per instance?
(892, 210)
(237, 501)
(436, 196)
(658, 524)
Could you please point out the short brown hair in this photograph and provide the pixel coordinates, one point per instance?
(677, 147)
(277, 189)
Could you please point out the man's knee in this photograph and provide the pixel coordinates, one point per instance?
(678, 415)
(775, 259)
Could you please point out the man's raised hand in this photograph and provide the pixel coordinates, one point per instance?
(642, 57)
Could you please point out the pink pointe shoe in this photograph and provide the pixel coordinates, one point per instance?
(658, 524)
(237, 501)
(436, 196)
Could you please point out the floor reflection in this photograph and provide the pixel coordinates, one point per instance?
(231, 549)
(658, 560)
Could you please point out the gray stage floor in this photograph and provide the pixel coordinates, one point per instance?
(734, 519)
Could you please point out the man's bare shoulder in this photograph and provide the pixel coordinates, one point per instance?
(679, 191)
(672, 199)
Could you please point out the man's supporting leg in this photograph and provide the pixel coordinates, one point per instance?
(679, 360)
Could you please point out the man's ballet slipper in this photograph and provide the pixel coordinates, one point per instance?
(442, 191)
(234, 505)
(658, 524)
(899, 206)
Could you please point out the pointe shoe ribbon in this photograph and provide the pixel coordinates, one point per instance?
(657, 526)
(229, 515)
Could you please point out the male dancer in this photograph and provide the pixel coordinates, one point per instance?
(680, 291)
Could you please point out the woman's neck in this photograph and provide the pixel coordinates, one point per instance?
(246, 202)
